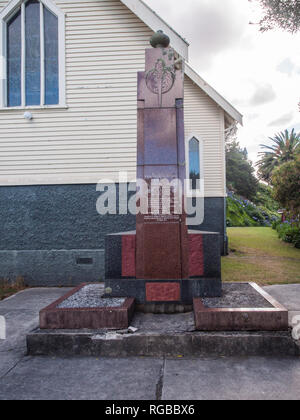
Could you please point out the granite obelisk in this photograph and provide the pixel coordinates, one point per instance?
(162, 262)
(162, 238)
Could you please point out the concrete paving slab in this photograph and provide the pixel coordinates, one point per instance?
(167, 324)
(8, 360)
(33, 299)
(18, 324)
(253, 378)
(21, 313)
(286, 294)
(82, 378)
(289, 296)
(134, 378)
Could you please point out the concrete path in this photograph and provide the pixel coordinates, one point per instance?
(23, 377)
(21, 315)
(289, 296)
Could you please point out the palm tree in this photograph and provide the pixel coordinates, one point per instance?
(285, 148)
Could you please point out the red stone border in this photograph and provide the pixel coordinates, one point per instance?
(54, 318)
(244, 319)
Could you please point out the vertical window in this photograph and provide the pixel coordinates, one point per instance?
(14, 60)
(194, 163)
(32, 56)
(51, 58)
(33, 53)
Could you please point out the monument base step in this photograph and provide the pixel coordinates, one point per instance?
(155, 344)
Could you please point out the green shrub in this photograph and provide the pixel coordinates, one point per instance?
(289, 233)
(275, 224)
(256, 214)
(243, 213)
(297, 241)
(264, 198)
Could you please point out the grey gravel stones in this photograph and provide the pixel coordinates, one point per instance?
(91, 296)
(237, 295)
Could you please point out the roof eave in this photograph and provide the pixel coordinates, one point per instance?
(155, 22)
(213, 94)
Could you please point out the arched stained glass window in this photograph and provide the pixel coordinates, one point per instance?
(14, 68)
(51, 58)
(33, 53)
(32, 56)
(194, 163)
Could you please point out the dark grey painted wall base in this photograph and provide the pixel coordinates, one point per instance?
(53, 268)
(44, 229)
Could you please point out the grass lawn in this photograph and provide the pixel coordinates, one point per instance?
(257, 254)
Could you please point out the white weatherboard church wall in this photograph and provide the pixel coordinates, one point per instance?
(49, 165)
(94, 136)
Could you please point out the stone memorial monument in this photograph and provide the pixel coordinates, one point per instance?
(162, 265)
(162, 261)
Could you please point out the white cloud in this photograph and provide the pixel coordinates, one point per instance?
(283, 120)
(263, 95)
(244, 65)
(286, 66)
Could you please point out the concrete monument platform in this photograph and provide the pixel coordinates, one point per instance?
(167, 335)
(161, 336)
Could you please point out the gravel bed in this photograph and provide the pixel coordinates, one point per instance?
(90, 296)
(237, 295)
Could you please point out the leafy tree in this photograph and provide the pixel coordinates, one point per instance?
(286, 181)
(283, 14)
(285, 148)
(265, 198)
(240, 172)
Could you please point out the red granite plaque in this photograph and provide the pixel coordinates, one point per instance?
(162, 259)
(163, 292)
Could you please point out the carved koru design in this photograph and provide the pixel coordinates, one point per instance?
(161, 79)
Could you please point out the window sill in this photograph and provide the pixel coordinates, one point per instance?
(32, 108)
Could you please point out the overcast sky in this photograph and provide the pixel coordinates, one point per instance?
(258, 73)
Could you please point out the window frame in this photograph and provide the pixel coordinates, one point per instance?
(5, 15)
(199, 192)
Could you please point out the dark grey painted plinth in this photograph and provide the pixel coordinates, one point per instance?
(60, 218)
(214, 219)
(46, 217)
(65, 217)
(155, 344)
(53, 268)
(113, 254)
(210, 285)
(202, 287)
